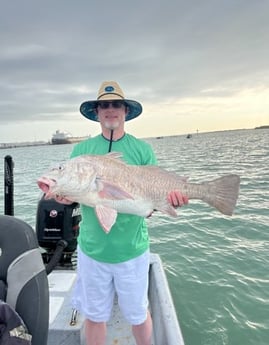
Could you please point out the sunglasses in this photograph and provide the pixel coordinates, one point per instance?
(115, 104)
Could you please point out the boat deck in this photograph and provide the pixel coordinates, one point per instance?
(166, 330)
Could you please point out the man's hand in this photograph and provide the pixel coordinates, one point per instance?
(177, 199)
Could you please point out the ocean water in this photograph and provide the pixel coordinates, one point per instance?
(217, 266)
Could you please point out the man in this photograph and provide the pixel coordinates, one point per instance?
(117, 261)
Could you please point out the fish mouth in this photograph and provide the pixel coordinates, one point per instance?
(45, 184)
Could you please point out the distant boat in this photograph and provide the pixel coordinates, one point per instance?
(188, 136)
(65, 138)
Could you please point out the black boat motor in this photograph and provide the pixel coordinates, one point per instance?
(24, 283)
(57, 227)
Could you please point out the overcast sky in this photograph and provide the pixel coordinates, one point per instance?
(194, 65)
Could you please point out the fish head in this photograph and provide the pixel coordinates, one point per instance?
(68, 180)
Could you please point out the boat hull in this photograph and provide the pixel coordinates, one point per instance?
(67, 140)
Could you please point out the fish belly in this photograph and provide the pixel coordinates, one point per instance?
(138, 207)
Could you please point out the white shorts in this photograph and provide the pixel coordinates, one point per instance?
(97, 283)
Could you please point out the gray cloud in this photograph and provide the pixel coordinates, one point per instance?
(55, 54)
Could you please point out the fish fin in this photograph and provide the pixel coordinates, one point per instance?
(168, 209)
(117, 156)
(106, 217)
(108, 190)
(114, 154)
(223, 193)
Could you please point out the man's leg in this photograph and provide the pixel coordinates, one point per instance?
(93, 297)
(142, 332)
(95, 332)
(131, 282)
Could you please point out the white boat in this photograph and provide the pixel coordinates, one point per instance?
(44, 302)
(63, 137)
(42, 296)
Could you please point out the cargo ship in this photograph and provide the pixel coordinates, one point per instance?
(63, 137)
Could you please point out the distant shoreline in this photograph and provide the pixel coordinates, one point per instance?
(262, 127)
(23, 144)
(42, 143)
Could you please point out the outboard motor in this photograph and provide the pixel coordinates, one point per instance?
(24, 283)
(57, 227)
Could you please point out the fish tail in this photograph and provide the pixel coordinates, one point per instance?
(223, 193)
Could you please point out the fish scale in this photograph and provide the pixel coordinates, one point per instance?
(111, 186)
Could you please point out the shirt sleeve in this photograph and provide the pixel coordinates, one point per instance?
(150, 157)
(76, 151)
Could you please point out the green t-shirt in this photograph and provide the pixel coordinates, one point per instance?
(128, 238)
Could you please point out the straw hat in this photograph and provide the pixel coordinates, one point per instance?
(109, 91)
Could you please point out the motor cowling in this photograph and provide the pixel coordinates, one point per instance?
(57, 225)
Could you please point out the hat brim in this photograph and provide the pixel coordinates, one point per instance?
(88, 109)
